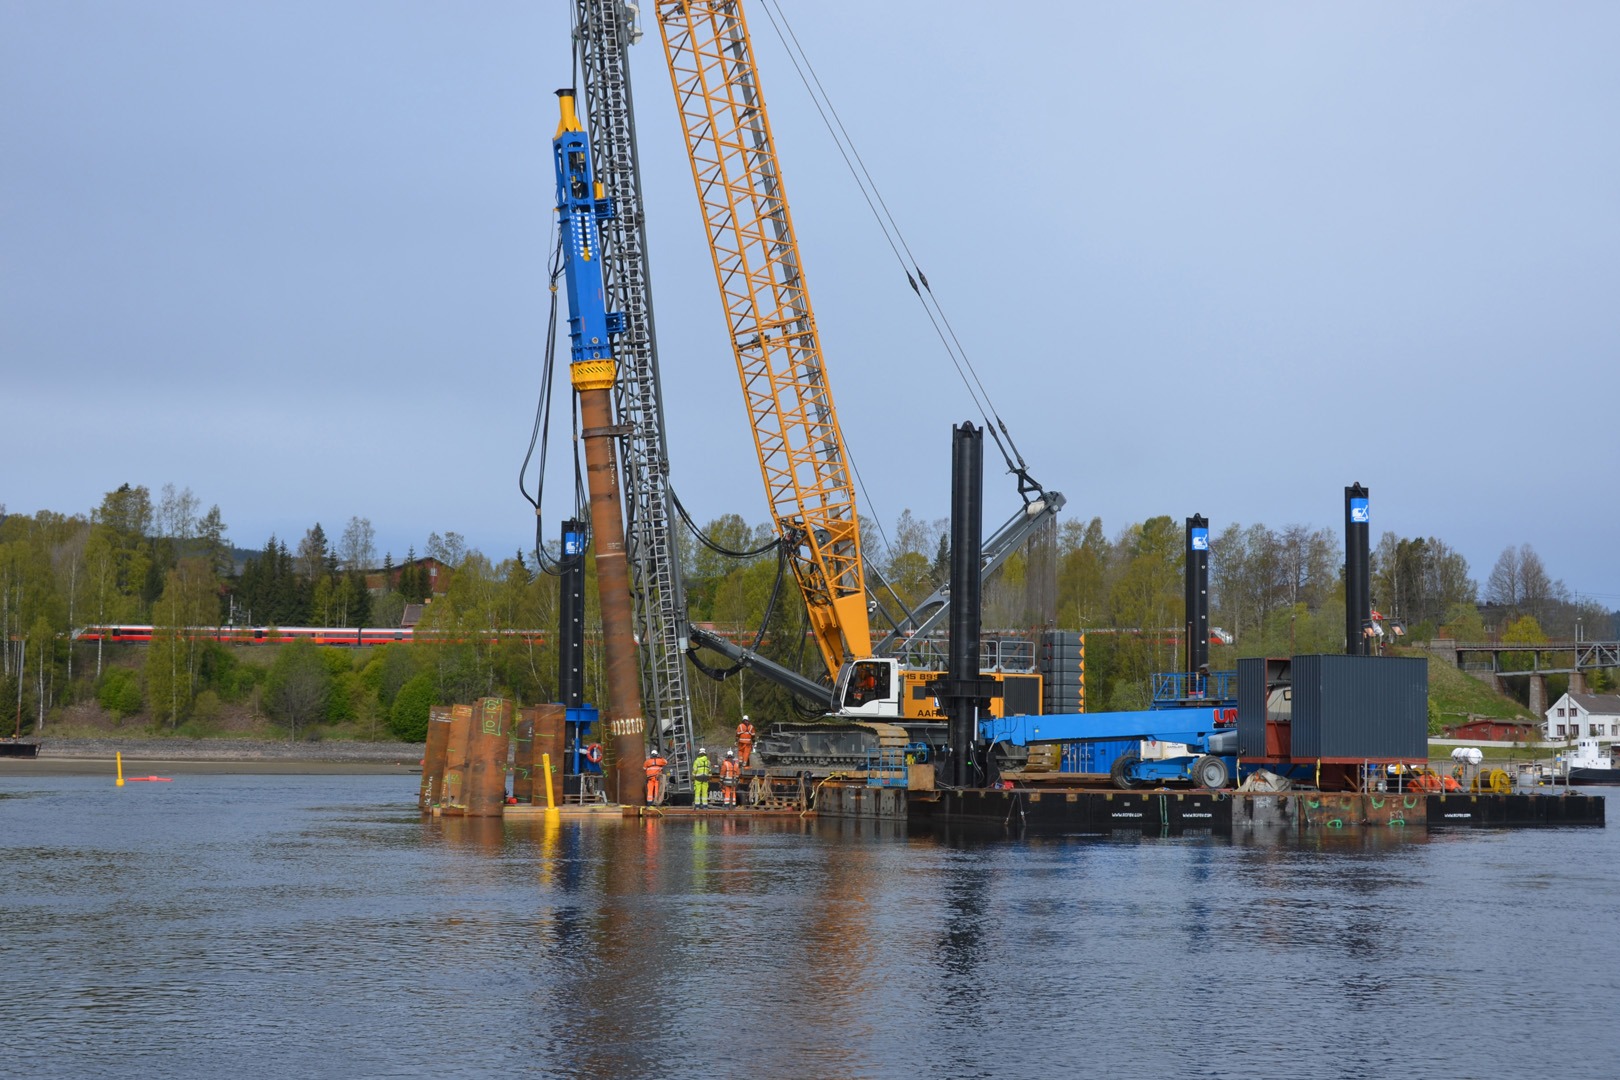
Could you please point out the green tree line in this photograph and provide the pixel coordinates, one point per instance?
(134, 559)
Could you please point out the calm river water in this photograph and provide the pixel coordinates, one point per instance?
(316, 926)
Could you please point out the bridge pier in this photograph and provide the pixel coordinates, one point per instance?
(1577, 682)
(1538, 696)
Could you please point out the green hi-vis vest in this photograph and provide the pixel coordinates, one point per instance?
(700, 766)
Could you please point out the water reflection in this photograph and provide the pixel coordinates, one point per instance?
(307, 928)
(962, 935)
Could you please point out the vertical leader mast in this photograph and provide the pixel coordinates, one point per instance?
(605, 30)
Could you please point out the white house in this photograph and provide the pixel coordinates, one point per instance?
(1585, 716)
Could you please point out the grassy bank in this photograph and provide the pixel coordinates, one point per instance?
(1455, 696)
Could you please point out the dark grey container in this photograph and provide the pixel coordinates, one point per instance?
(1251, 678)
(1359, 708)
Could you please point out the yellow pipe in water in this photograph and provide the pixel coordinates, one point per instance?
(119, 754)
(545, 764)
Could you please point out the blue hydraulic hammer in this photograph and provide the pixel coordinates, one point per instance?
(580, 205)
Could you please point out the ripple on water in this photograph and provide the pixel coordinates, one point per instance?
(265, 924)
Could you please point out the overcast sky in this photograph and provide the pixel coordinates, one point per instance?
(1214, 258)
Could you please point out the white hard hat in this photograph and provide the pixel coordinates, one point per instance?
(702, 751)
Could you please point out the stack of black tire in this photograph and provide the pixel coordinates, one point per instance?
(1062, 662)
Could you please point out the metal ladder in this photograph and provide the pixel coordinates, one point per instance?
(605, 32)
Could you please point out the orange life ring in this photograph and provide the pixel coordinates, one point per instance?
(593, 753)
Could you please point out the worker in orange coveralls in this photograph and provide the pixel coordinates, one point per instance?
(745, 741)
(654, 768)
(728, 779)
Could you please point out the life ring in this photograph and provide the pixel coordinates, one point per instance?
(593, 753)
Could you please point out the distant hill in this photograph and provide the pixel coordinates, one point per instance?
(240, 556)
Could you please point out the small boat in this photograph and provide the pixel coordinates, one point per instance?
(1592, 763)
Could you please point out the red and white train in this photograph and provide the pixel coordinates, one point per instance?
(254, 635)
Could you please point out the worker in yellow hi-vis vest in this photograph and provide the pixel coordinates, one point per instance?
(700, 779)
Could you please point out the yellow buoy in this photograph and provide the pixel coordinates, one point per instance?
(120, 756)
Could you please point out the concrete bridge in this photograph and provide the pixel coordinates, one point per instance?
(1572, 658)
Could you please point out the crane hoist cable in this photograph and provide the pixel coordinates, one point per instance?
(540, 435)
(892, 233)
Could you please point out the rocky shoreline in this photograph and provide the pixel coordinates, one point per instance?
(242, 750)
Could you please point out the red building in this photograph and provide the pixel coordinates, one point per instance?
(1490, 729)
(438, 576)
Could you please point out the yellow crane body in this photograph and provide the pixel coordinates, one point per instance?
(757, 265)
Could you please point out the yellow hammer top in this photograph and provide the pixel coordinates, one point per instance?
(570, 120)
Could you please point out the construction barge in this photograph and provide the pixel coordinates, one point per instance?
(1169, 812)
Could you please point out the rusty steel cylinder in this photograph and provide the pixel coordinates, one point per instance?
(550, 737)
(454, 800)
(438, 740)
(623, 720)
(487, 750)
(523, 757)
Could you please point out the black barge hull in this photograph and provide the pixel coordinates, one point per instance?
(1219, 812)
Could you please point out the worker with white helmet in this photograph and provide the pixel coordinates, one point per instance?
(728, 779)
(700, 779)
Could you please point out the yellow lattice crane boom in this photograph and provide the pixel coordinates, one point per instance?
(773, 330)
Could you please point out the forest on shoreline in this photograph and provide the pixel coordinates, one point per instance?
(167, 562)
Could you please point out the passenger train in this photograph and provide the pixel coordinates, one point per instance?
(269, 635)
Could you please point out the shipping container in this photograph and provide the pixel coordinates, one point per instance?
(1359, 708)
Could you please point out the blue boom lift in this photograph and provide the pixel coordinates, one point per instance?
(1210, 734)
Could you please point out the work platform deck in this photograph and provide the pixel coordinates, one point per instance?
(692, 812)
(1222, 812)
(613, 810)
(572, 810)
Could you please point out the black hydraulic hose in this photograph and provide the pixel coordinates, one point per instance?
(710, 544)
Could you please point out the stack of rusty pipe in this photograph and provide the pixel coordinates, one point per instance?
(464, 767)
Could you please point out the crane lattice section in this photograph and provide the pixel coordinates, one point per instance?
(773, 333)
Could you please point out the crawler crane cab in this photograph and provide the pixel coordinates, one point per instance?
(868, 688)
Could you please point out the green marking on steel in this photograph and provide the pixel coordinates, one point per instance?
(1409, 801)
(1396, 822)
(1335, 823)
(1377, 803)
(1314, 804)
